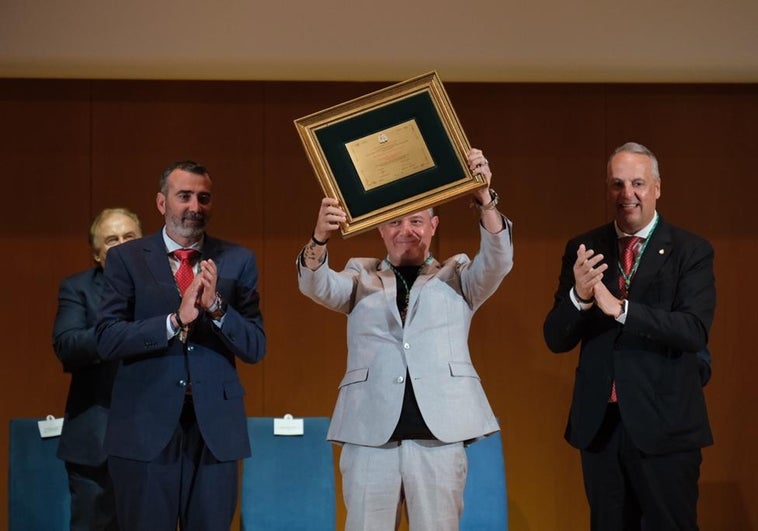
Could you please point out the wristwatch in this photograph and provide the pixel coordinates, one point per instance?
(218, 309)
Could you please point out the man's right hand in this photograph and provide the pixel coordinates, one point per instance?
(188, 308)
(587, 272)
(330, 215)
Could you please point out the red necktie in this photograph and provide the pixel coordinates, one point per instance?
(185, 273)
(626, 260)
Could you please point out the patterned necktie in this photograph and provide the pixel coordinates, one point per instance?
(626, 260)
(185, 273)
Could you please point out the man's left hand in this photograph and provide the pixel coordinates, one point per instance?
(209, 275)
(478, 164)
(605, 300)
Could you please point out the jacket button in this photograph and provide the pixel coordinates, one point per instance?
(399, 379)
(406, 346)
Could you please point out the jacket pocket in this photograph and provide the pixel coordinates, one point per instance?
(354, 376)
(461, 368)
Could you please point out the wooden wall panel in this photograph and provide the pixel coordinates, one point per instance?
(44, 148)
(71, 148)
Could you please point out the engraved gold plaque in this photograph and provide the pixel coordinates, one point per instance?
(391, 154)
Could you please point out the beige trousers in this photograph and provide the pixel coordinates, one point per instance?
(424, 477)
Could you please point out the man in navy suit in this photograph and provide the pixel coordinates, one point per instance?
(89, 395)
(177, 425)
(638, 413)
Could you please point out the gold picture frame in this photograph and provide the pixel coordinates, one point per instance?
(389, 153)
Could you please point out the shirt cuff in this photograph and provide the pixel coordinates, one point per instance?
(622, 316)
(170, 332)
(581, 306)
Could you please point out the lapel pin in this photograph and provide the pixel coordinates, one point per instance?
(661, 251)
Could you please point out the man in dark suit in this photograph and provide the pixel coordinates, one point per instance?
(638, 412)
(179, 307)
(89, 395)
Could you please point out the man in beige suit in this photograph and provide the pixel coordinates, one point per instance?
(410, 397)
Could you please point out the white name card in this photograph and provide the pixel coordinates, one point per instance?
(288, 426)
(50, 427)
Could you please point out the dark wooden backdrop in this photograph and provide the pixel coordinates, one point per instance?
(71, 147)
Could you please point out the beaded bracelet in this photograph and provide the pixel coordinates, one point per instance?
(317, 242)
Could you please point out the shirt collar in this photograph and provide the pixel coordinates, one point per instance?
(172, 246)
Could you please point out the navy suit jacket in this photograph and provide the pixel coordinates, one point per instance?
(149, 391)
(653, 356)
(89, 394)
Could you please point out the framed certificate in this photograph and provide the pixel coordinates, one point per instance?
(389, 153)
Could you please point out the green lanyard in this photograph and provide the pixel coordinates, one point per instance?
(628, 278)
(405, 284)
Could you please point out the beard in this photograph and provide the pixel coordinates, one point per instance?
(190, 225)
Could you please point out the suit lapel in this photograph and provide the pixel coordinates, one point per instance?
(213, 249)
(95, 289)
(657, 252)
(156, 259)
(424, 275)
(389, 283)
(97, 278)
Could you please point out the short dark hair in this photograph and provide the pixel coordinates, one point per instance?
(186, 165)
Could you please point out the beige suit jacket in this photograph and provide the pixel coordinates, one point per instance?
(432, 346)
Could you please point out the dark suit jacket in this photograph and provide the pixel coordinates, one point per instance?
(89, 395)
(653, 356)
(148, 395)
